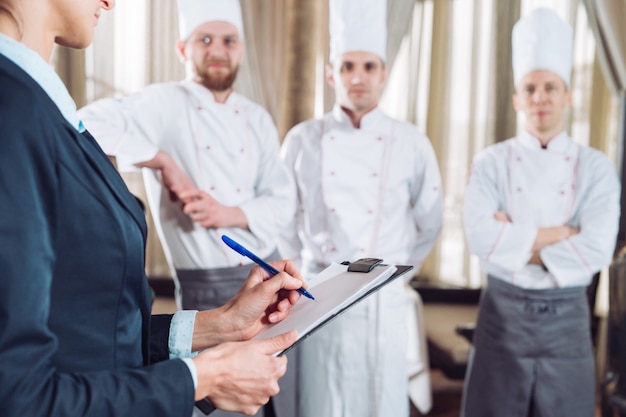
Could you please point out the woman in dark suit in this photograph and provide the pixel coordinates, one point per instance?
(76, 335)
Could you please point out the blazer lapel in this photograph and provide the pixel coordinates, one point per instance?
(111, 177)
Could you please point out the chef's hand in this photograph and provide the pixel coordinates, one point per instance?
(536, 259)
(502, 217)
(203, 209)
(572, 231)
(172, 176)
(549, 236)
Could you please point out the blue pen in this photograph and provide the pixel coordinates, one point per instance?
(269, 268)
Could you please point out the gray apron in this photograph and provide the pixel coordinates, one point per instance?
(203, 289)
(532, 354)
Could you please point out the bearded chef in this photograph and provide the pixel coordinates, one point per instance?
(222, 144)
(541, 214)
(368, 186)
(214, 162)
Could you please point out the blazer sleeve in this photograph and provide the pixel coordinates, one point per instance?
(159, 337)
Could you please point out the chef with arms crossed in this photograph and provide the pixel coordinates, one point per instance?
(541, 214)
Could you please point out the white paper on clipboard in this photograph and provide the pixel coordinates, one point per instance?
(335, 290)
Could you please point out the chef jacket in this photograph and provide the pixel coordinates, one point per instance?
(564, 184)
(368, 192)
(373, 191)
(229, 150)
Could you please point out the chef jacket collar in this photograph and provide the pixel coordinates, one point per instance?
(557, 144)
(370, 120)
(44, 75)
(206, 94)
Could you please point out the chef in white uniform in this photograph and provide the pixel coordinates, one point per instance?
(368, 186)
(215, 161)
(541, 214)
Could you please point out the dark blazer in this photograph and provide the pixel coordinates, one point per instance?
(76, 336)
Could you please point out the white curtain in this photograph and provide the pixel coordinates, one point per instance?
(446, 63)
(606, 20)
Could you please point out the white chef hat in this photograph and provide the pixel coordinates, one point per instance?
(542, 41)
(358, 25)
(193, 13)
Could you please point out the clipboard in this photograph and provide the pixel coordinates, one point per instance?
(372, 278)
(309, 316)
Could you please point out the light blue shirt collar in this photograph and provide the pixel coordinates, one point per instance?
(44, 75)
